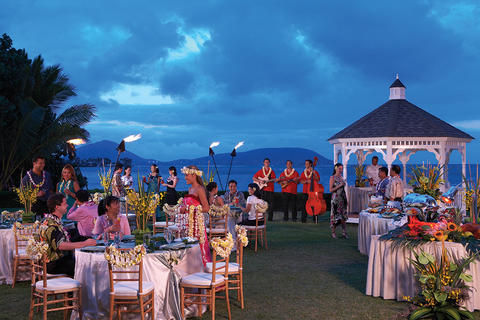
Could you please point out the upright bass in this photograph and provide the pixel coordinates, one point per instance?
(315, 205)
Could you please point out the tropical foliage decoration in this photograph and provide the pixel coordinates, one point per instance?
(427, 180)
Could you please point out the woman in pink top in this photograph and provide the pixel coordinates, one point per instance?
(109, 220)
(85, 212)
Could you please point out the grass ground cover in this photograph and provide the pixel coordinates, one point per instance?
(305, 274)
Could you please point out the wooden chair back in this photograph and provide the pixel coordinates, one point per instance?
(219, 265)
(118, 273)
(23, 233)
(218, 217)
(39, 270)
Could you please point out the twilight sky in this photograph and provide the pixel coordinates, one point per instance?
(272, 73)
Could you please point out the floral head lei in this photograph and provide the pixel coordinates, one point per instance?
(242, 235)
(197, 172)
(125, 259)
(219, 211)
(223, 247)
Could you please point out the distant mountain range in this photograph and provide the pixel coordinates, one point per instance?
(278, 156)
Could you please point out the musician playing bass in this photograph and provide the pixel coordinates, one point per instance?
(305, 179)
(288, 180)
(265, 178)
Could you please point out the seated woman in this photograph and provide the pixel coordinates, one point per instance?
(85, 212)
(252, 200)
(59, 253)
(212, 196)
(109, 220)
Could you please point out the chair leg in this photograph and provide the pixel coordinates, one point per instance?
(228, 301)
(182, 302)
(112, 307)
(65, 304)
(153, 306)
(240, 285)
(15, 266)
(79, 303)
(256, 240)
(44, 305)
(266, 242)
(142, 309)
(32, 301)
(212, 304)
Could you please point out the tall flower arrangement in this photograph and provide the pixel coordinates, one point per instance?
(359, 174)
(442, 286)
(427, 180)
(471, 192)
(27, 195)
(144, 204)
(105, 177)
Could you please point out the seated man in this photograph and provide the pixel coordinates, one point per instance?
(233, 196)
(85, 212)
(59, 255)
(381, 187)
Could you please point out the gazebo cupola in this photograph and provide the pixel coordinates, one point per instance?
(399, 128)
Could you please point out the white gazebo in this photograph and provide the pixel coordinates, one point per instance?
(399, 128)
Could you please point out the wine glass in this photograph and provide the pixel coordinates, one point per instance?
(167, 234)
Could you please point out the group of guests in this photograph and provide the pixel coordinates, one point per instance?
(390, 188)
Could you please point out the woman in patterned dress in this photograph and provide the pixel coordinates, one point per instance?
(338, 214)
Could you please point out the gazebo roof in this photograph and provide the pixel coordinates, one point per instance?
(400, 118)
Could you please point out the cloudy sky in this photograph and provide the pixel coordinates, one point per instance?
(272, 73)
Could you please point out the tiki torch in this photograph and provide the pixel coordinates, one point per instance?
(212, 154)
(71, 150)
(233, 155)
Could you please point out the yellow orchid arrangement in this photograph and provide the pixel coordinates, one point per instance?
(105, 177)
(125, 259)
(27, 195)
(223, 247)
(242, 235)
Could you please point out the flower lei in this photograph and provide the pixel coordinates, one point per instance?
(186, 171)
(308, 176)
(27, 228)
(172, 210)
(36, 249)
(261, 206)
(266, 175)
(58, 222)
(223, 247)
(219, 211)
(242, 235)
(196, 225)
(66, 187)
(124, 259)
(288, 175)
(33, 183)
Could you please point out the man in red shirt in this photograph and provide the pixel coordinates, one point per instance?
(305, 179)
(289, 181)
(265, 178)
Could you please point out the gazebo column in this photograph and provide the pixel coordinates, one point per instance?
(345, 157)
(445, 168)
(404, 157)
(388, 156)
(440, 155)
(463, 152)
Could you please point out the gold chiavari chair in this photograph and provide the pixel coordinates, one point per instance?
(259, 230)
(22, 233)
(218, 221)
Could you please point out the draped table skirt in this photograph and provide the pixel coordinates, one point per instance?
(357, 198)
(391, 275)
(91, 270)
(7, 251)
(370, 224)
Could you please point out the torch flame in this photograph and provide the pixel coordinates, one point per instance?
(214, 144)
(239, 145)
(132, 137)
(76, 141)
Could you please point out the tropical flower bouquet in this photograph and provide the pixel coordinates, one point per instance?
(427, 180)
(443, 286)
(472, 192)
(27, 195)
(105, 178)
(359, 175)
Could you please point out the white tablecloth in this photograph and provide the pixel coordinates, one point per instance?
(91, 270)
(357, 198)
(391, 275)
(371, 224)
(7, 248)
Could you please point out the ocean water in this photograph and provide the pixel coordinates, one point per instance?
(243, 175)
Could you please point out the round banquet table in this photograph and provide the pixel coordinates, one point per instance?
(391, 275)
(372, 224)
(7, 250)
(91, 270)
(357, 198)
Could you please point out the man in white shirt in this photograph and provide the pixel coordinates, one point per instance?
(372, 172)
(395, 186)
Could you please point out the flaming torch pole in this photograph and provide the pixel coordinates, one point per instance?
(233, 154)
(212, 154)
(120, 149)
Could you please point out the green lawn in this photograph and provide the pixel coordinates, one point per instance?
(305, 274)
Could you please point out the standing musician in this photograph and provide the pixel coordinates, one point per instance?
(305, 179)
(288, 181)
(265, 178)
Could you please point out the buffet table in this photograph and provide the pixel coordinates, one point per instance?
(357, 198)
(391, 275)
(91, 269)
(7, 250)
(370, 224)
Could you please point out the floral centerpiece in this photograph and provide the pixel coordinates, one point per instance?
(472, 192)
(105, 177)
(145, 205)
(359, 175)
(27, 195)
(427, 180)
(442, 286)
